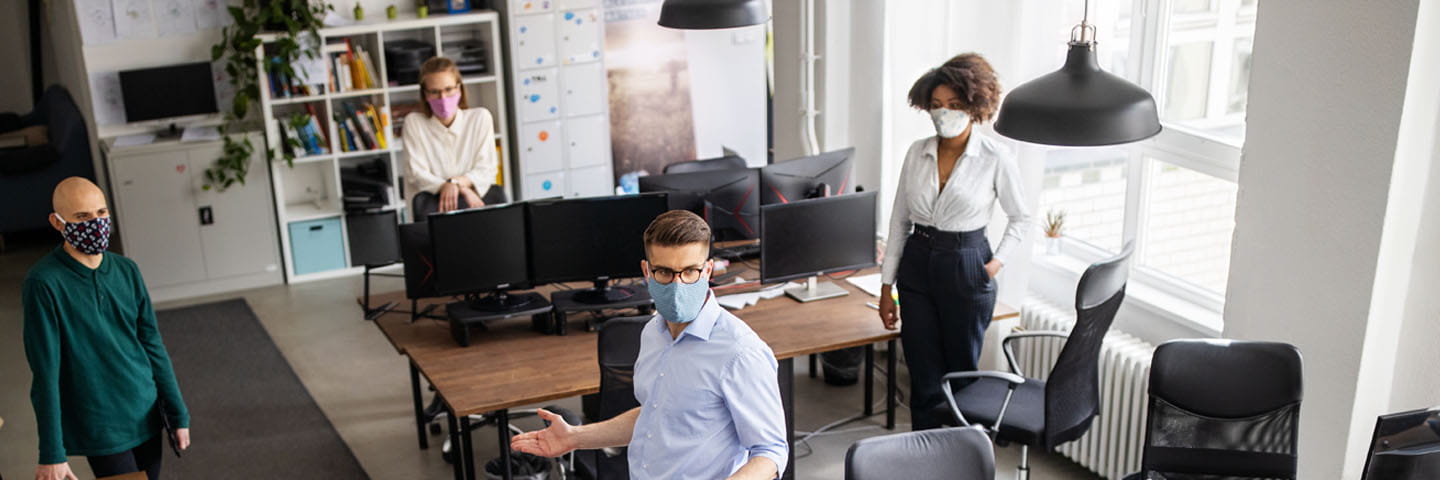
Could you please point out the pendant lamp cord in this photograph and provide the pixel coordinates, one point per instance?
(1084, 26)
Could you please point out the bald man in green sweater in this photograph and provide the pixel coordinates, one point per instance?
(101, 373)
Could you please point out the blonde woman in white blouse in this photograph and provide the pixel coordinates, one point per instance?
(451, 148)
(936, 250)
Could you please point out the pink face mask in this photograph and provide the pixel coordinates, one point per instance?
(445, 107)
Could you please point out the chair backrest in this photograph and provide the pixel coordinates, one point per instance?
(1072, 392)
(419, 261)
(962, 453)
(1223, 407)
(730, 162)
(374, 238)
(618, 347)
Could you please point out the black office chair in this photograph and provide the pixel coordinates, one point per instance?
(374, 243)
(425, 203)
(729, 162)
(1222, 408)
(618, 347)
(962, 453)
(1046, 413)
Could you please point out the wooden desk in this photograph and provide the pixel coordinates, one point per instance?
(510, 365)
(126, 476)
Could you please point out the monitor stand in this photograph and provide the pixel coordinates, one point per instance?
(501, 302)
(815, 290)
(604, 293)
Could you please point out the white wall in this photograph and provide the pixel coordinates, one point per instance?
(1324, 114)
(15, 55)
(727, 91)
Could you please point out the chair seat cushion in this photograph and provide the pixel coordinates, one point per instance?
(1024, 418)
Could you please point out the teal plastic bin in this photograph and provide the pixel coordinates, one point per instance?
(316, 245)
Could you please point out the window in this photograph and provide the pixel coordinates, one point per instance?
(1173, 195)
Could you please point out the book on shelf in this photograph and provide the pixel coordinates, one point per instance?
(283, 85)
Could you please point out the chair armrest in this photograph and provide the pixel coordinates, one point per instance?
(1012, 379)
(1010, 352)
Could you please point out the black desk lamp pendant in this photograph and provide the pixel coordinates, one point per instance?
(711, 14)
(1079, 104)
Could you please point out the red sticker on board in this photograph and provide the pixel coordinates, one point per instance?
(180, 168)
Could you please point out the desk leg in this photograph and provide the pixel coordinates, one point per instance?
(869, 380)
(458, 460)
(467, 448)
(561, 328)
(890, 390)
(813, 366)
(502, 422)
(419, 406)
(786, 373)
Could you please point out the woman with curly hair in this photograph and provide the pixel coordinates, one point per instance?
(936, 250)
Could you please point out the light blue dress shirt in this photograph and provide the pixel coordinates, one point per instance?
(709, 400)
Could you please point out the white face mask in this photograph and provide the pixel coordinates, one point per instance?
(949, 123)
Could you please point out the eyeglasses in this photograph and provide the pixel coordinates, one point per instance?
(686, 276)
(444, 92)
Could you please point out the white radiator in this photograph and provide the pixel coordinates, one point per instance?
(1116, 438)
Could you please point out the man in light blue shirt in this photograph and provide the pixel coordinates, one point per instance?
(709, 398)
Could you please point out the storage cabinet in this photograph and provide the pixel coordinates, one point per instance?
(561, 122)
(186, 240)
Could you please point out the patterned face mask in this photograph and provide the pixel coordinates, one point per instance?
(90, 237)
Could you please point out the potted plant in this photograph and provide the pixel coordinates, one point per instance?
(291, 18)
(1054, 228)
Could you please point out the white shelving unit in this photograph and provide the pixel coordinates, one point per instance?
(310, 191)
(561, 123)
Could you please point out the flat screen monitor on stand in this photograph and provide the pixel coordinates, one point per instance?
(482, 253)
(809, 238)
(592, 239)
(169, 92)
(1406, 446)
(727, 199)
(815, 176)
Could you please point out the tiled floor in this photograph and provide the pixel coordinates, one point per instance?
(363, 386)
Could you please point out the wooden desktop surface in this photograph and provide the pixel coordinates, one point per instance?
(511, 365)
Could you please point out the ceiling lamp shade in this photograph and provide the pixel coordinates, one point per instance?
(1078, 105)
(711, 14)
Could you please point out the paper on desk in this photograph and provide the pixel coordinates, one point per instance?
(868, 283)
(738, 301)
(199, 134)
(137, 139)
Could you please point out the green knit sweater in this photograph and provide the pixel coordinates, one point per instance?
(98, 363)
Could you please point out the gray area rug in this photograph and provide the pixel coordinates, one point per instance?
(251, 416)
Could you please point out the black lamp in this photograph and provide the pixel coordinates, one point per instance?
(711, 14)
(1079, 104)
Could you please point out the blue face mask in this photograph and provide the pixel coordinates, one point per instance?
(679, 302)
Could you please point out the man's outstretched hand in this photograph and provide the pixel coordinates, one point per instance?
(555, 440)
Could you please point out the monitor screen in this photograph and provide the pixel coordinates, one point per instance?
(167, 92)
(815, 176)
(590, 238)
(727, 199)
(810, 237)
(480, 250)
(1406, 446)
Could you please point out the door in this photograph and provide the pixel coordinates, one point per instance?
(583, 88)
(520, 7)
(580, 36)
(240, 237)
(591, 182)
(156, 213)
(544, 185)
(587, 141)
(540, 147)
(533, 37)
(536, 94)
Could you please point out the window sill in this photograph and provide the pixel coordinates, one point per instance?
(1153, 300)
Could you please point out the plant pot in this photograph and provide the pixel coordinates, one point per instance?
(1052, 245)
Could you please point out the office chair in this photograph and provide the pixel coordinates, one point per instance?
(1046, 413)
(425, 203)
(959, 453)
(1222, 408)
(374, 243)
(1405, 446)
(618, 346)
(729, 162)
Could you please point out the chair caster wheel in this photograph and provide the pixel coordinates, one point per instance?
(434, 429)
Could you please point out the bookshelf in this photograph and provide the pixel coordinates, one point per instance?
(365, 115)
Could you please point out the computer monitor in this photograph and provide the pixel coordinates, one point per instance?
(591, 239)
(481, 250)
(822, 175)
(1406, 446)
(727, 199)
(807, 238)
(168, 92)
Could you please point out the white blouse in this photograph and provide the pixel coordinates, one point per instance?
(984, 173)
(436, 152)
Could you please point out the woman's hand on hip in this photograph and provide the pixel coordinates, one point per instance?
(449, 197)
(993, 267)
